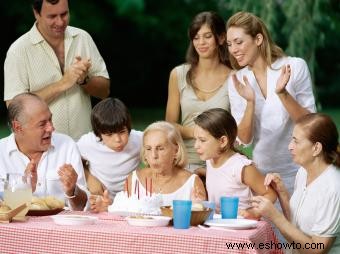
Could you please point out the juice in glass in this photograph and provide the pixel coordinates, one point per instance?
(17, 192)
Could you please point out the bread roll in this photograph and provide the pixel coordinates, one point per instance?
(54, 203)
(197, 207)
(4, 208)
(46, 203)
(38, 204)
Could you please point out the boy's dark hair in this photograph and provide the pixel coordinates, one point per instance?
(110, 116)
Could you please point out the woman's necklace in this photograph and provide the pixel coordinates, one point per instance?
(194, 85)
(159, 186)
(207, 91)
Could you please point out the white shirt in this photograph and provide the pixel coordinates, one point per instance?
(62, 150)
(110, 167)
(273, 126)
(31, 64)
(315, 208)
(182, 193)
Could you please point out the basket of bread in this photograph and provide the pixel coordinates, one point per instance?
(42, 206)
(199, 213)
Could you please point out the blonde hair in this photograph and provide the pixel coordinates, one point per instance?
(253, 25)
(174, 137)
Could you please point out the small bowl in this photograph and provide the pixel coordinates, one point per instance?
(149, 221)
(197, 217)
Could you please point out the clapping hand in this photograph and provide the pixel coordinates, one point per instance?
(244, 90)
(84, 65)
(283, 79)
(100, 203)
(77, 72)
(68, 177)
(31, 171)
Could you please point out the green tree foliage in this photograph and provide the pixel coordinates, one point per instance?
(310, 26)
(327, 63)
(302, 31)
(127, 7)
(303, 28)
(142, 40)
(268, 10)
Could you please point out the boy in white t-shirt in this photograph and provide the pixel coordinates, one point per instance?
(111, 151)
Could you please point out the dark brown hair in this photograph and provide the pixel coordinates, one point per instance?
(218, 122)
(217, 26)
(37, 4)
(321, 128)
(110, 116)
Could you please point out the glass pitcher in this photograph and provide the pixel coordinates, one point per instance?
(18, 191)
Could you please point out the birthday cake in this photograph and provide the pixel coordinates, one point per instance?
(130, 205)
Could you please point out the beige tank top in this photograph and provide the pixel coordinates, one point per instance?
(192, 106)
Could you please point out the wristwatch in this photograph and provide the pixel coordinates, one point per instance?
(86, 79)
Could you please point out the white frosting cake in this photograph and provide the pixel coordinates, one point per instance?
(132, 205)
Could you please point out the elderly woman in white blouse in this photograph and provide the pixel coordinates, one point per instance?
(311, 217)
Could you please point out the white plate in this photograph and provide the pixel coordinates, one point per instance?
(148, 221)
(232, 223)
(74, 219)
(219, 216)
(125, 213)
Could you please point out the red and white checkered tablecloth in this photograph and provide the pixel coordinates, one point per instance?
(112, 234)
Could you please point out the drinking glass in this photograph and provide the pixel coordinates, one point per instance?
(210, 204)
(229, 207)
(2, 187)
(18, 191)
(181, 213)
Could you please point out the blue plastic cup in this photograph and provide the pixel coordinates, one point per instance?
(229, 207)
(181, 213)
(2, 187)
(210, 204)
